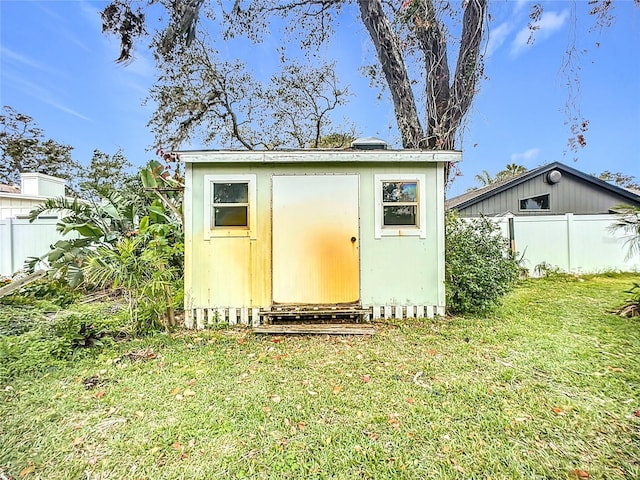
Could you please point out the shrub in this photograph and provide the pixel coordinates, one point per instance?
(45, 291)
(480, 268)
(41, 344)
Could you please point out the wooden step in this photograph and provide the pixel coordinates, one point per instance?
(317, 329)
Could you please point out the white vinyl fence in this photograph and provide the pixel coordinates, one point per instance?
(20, 240)
(571, 243)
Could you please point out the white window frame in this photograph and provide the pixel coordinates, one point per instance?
(419, 230)
(548, 194)
(210, 231)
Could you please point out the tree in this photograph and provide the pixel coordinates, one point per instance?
(511, 170)
(411, 38)
(620, 179)
(24, 148)
(200, 96)
(335, 140)
(414, 41)
(105, 174)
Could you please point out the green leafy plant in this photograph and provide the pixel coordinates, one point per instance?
(631, 307)
(55, 292)
(130, 240)
(480, 268)
(628, 222)
(31, 342)
(544, 269)
(147, 266)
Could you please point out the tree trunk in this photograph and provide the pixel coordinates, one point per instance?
(395, 72)
(468, 69)
(433, 44)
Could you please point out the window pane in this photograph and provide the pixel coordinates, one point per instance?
(230, 192)
(230, 217)
(535, 203)
(405, 215)
(399, 191)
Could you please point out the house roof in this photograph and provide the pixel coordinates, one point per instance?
(475, 196)
(9, 188)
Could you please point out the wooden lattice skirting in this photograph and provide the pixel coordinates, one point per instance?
(199, 318)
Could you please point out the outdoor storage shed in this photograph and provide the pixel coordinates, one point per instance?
(313, 230)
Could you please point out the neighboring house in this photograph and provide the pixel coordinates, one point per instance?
(343, 232)
(548, 190)
(20, 239)
(34, 189)
(556, 217)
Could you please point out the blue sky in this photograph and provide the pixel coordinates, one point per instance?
(57, 66)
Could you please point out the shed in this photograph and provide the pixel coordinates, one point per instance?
(313, 231)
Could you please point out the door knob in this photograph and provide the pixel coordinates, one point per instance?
(353, 239)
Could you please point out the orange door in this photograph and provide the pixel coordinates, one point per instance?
(315, 239)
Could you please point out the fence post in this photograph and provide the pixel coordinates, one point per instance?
(6, 246)
(569, 219)
(512, 235)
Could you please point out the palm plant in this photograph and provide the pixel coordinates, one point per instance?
(143, 269)
(628, 222)
(87, 225)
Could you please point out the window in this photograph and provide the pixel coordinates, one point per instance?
(400, 207)
(400, 203)
(541, 202)
(229, 205)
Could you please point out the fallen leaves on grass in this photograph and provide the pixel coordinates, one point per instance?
(615, 369)
(99, 394)
(366, 378)
(141, 355)
(579, 474)
(27, 470)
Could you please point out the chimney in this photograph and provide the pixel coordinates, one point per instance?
(41, 185)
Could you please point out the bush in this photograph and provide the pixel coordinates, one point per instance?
(39, 344)
(45, 292)
(480, 268)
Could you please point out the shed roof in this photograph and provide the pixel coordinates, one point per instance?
(318, 156)
(475, 196)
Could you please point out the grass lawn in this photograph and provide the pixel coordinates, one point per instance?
(548, 386)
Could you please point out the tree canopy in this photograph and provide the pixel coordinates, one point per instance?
(24, 148)
(511, 170)
(428, 58)
(411, 40)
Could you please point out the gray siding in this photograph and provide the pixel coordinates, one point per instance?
(570, 195)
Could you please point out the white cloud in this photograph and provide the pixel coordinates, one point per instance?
(520, 5)
(525, 157)
(497, 37)
(549, 23)
(43, 94)
(23, 59)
